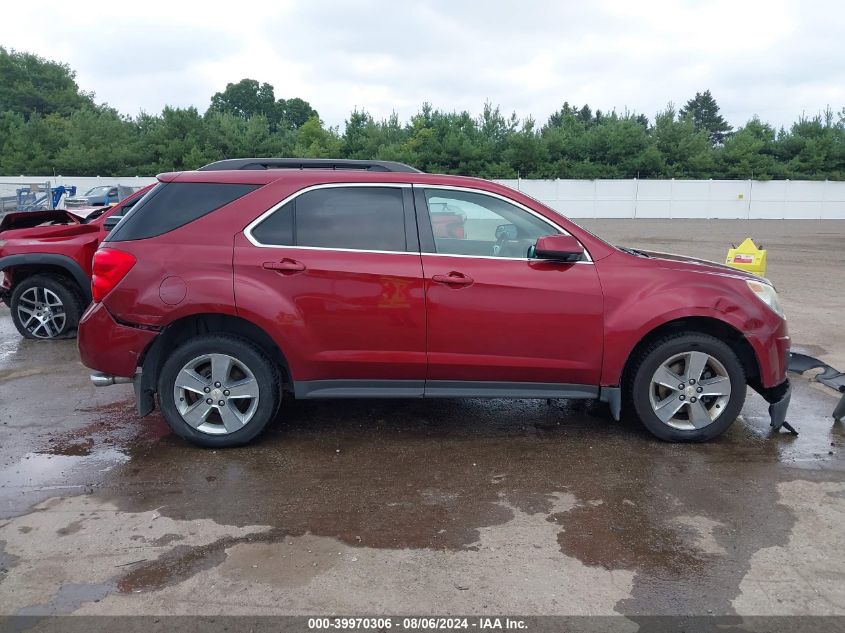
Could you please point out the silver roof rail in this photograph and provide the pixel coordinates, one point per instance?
(308, 163)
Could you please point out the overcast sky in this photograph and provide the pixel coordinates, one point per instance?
(775, 59)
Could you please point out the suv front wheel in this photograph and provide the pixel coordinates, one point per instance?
(687, 387)
(218, 390)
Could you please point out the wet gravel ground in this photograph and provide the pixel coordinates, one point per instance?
(462, 506)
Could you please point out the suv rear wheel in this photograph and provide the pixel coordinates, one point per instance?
(218, 390)
(45, 307)
(687, 387)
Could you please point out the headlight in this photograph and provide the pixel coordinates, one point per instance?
(767, 294)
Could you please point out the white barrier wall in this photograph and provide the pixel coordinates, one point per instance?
(83, 183)
(10, 184)
(725, 199)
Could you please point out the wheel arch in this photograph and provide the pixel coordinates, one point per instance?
(28, 264)
(705, 325)
(187, 327)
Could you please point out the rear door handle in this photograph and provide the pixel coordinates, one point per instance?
(286, 265)
(454, 278)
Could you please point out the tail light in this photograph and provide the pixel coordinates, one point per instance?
(109, 267)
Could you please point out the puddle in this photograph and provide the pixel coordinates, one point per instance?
(8, 347)
(38, 476)
(70, 447)
(43, 471)
(184, 561)
(614, 535)
(67, 600)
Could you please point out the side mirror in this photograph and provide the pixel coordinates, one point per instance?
(110, 222)
(558, 248)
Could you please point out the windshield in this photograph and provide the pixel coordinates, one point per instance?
(93, 216)
(98, 191)
(124, 209)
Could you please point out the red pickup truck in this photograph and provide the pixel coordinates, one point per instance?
(45, 265)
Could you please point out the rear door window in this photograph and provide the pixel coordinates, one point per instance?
(354, 218)
(171, 205)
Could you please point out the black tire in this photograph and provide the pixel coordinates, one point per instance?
(648, 361)
(71, 305)
(265, 373)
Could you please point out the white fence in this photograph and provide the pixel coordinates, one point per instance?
(83, 183)
(726, 199)
(10, 184)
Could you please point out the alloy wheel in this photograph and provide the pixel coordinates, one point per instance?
(41, 312)
(690, 390)
(216, 394)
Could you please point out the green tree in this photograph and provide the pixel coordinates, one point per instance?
(814, 148)
(526, 154)
(47, 126)
(293, 113)
(704, 112)
(246, 99)
(32, 85)
(315, 141)
(623, 147)
(163, 142)
(685, 150)
(96, 141)
(749, 153)
(29, 147)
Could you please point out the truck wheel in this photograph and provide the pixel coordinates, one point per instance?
(45, 307)
(218, 390)
(687, 387)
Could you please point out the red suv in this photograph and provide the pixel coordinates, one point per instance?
(226, 287)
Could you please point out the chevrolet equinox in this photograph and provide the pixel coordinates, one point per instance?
(224, 288)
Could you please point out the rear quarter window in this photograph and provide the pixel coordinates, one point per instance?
(170, 205)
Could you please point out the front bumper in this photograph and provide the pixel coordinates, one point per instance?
(771, 346)
(110, 347)
(778, 398)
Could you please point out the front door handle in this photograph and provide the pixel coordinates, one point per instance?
(286, 265)
(454, 278)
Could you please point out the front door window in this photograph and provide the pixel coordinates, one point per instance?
(468, 223)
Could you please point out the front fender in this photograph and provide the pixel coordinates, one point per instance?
(641, 296)
(51, 259)
(618, 348)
